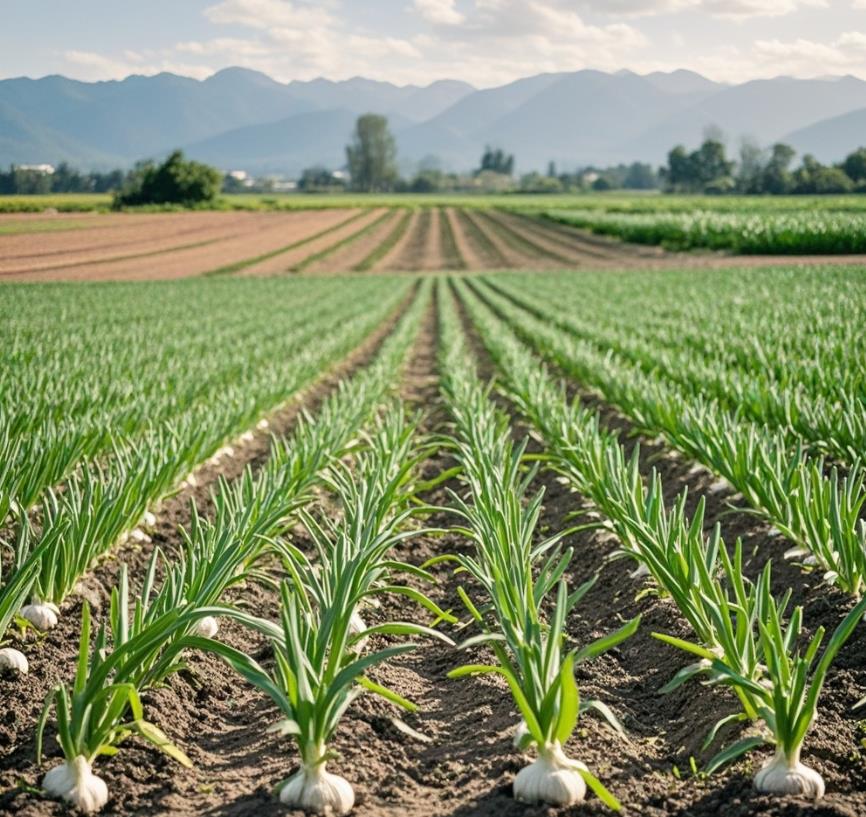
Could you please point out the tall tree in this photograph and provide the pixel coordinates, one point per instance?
(372, 155)
(495, 160)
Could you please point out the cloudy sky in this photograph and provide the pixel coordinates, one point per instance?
(486, 42)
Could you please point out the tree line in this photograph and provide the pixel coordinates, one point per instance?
(760, 171)
(371, 164)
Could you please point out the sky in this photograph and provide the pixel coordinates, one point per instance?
(484, 42)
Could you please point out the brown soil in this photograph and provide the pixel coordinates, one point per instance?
(236, 237)
(349, 256)
(494, 245)
(420, 248)
(118, 235)
(389, 262)
(285, 262)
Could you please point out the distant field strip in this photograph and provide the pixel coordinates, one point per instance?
(327, 252)
(381, 251)
(423, 238)
(230, 269)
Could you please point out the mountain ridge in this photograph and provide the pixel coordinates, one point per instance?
(239, 118)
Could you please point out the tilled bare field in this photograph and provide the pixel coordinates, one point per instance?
(175, 245)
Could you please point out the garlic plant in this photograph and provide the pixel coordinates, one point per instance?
(781, 689)
(320, 667)
(516, 577)
(103, 707)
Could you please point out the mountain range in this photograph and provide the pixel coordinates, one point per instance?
(240, 119)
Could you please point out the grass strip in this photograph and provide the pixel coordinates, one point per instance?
(480, 238)
(237, 266)
(522, 243)
(448, 244)
(350, 239)
(387, 245)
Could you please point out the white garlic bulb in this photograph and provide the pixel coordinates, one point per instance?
(261, 425)
(207, 627)
(247, 437)
(75, 782)
(43, 615)
(358, 625)
(784, 775)
(149, 519)
(138, 535)
(314, 789)
(13, 661)
(553, 779)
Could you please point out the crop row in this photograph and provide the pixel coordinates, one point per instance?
(756, 233)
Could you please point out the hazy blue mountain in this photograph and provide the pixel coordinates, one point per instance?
(831, 140)
(242, 119)
(766, 110)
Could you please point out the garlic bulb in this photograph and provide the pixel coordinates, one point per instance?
(553, 779)
(314, 789)
(247, 437)
(358, 625)
(42, 615)
(75, 782)
(207, 627)
(13, 661)
(261, 425)
(138, 535)
(149, 519)
(784, 775)
(640, 572)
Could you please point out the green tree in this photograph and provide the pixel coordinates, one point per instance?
(372, 155)
(777, 178)
(750, 169)
(176, 181)
(495, 160)
(640, 176)
(814, 178)
(855, 166)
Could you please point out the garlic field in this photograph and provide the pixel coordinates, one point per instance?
(514, 543)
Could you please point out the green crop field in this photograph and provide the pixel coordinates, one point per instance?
(603, 525)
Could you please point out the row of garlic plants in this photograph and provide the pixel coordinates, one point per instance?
(793, 355)
(107, 500)
(144, 638)
(81, 375)
(519, 597)
(817, 508)
(743, 636)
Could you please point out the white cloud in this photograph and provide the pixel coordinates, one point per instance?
(723, 9)
(439, 12)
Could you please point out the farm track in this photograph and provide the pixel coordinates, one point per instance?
(630, 677)
(144, 773)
